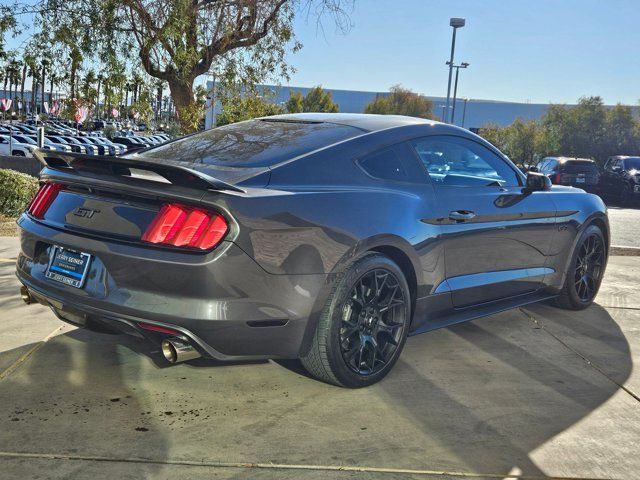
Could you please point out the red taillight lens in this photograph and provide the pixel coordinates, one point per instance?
(557, 178)
(43, 199)
(183, 226)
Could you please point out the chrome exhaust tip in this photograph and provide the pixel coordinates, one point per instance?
(25, 295)
(176, 350)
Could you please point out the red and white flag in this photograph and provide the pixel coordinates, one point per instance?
(115, 113)
(5, 104)
(81, 114)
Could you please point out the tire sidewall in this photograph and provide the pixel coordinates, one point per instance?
(342, 372)
(571, 290)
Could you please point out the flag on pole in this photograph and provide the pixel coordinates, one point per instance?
(5, 104)
(81, 114)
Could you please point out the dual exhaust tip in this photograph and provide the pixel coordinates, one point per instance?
(176, 350)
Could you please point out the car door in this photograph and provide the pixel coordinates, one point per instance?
(4, 146)
(497, 235)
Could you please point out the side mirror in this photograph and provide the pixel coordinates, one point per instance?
(617, 168)
(537, 182)
(533, 169)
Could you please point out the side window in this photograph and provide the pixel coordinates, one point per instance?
(385, 164)
(542, 166)
(609, 165)
(457, 161)
(552, 167)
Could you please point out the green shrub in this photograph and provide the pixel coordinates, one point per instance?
(16, 191)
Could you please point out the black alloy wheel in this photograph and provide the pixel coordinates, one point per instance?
(363, 326)
(589, 267)
(373, 320)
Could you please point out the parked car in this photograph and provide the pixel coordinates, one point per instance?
(9, 146)
(60, 147)
(89, 147)
(27, 140)
(313, 236)
(621, 178)
(101, 148)
(75, 147)
(574, 172)
(132, 143)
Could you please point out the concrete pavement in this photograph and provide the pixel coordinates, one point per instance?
(625, 225)
(524, 394)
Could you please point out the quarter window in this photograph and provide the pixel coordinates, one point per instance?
(385, 164)
(457, 161)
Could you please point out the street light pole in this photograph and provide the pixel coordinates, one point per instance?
(455, 23)
(455, 90)
(464, 111)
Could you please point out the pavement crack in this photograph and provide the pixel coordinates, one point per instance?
(283, 466)
(595, 366)
(25, 356)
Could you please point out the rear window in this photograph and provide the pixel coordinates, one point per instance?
(632, 163)
(255, 143)
(579, 167)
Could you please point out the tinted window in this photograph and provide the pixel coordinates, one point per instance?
(579, 167)
(632, 163)
(385, 164)
(456, 161)
(253, 143)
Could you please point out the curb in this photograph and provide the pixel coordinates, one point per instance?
(624, 251)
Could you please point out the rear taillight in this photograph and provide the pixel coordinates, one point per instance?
(557, 178)
(43, 199)
(182, 226)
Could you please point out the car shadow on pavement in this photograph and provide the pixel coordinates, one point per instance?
(478, 397)
(498, 389)
(72, 396)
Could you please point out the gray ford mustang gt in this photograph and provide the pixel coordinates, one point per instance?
(324, 237)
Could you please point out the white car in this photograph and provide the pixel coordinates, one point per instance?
(13, 147)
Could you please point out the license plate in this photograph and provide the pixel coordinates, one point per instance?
(68, 266)
(581, 180)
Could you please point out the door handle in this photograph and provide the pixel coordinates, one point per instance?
(461, 215)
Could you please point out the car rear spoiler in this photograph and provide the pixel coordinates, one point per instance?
(102, 165)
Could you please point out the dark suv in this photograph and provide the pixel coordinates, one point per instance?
(621, 178)
(574, 172)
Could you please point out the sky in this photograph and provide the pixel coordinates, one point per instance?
(536, 51)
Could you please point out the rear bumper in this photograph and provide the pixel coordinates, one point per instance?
(223, 301)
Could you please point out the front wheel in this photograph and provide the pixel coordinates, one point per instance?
(585, 271)
(363, 326)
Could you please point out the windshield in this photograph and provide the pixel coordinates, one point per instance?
(22, 139)
(253, 143)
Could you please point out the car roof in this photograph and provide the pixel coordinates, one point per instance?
(362, 121)
(567, 159)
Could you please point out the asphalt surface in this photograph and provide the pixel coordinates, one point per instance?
(625, 225)
(528, 393)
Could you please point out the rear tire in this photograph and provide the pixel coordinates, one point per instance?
(363, 326)
(585, 272)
